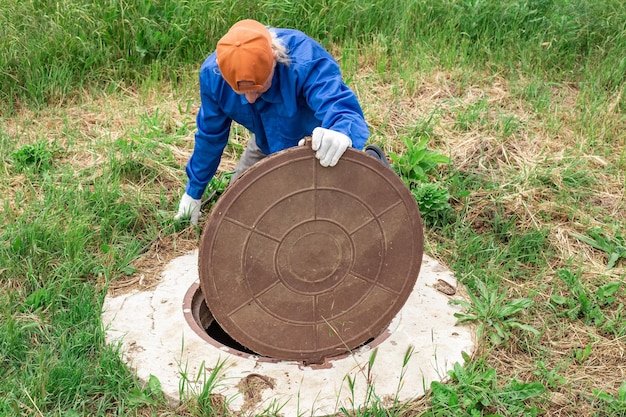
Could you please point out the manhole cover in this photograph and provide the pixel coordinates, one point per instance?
(302, 262)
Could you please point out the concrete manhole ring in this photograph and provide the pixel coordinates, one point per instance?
(301, 262)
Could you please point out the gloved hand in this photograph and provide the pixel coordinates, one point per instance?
(189, 207)
(329, 145)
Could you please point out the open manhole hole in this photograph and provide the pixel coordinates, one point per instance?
(301, 262)
(202, 322)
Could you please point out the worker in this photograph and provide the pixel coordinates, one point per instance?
(282, 86)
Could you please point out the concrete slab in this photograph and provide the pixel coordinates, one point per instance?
(423, 343)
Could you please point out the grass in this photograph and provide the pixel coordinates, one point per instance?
(525, 99)
(107, 43)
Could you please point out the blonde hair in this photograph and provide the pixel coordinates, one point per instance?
(282, 53)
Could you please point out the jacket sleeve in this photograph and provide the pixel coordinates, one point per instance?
(213, 128)
(333, 102)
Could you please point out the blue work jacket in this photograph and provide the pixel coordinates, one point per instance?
(307, 93)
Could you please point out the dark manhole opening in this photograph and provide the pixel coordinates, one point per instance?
(202, 322)
(215, 332)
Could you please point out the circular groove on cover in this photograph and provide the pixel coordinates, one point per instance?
(302, 262)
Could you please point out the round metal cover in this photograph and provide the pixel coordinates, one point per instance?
(302, 262)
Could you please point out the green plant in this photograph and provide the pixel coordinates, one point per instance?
(219, 182)
(474, 390)
(612, 405)
(206, 402)
(552, 377)
(417, 163)
(36, 157)
(151, 394)
(508, 125)
(583, 303)
(80, 44)
(494, 315)
(415, 166)
(616, 323)
(614, 247)
(433, 201)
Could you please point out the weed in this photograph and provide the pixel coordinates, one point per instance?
(614, 247)
(206, 403)
(37, 157)
(433, 201)
(552, 376)
(415, 166)
(417, 163)
(612, 405)
(587, 305)
(474, 390)
(150, 394)
(616, 323)
(493, 314)
(219, 182)
(508, 125)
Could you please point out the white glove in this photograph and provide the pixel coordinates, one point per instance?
(189, 207)
(330, 145)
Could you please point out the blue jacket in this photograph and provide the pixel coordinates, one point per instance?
(307, 93)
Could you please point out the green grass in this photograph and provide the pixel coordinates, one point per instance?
(67, 232)
(105, 42)
(505, 118)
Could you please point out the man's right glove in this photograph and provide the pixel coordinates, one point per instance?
(330, 145)
(189, 207)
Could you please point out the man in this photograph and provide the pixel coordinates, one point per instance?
(282, 86)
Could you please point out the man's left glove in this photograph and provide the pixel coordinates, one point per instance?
(189, 207)
(329, 145)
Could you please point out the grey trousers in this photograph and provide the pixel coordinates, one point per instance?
(250, 156)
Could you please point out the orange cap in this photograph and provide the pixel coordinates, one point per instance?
(245, 55)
